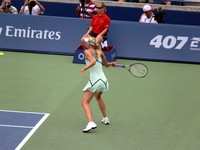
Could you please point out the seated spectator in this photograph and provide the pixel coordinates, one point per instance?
(147, 16)
(165, 2)
(99, 25)
(88, 11)
(32, 7)
(159, 16)
(6, 7)
(134, 1)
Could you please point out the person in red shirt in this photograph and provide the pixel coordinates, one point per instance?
(99, 25)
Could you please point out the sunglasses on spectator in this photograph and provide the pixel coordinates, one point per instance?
(99, 7)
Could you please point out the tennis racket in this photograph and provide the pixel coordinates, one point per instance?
(138, 70)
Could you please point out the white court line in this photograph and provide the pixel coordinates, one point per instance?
(14, 126)
(25, 112)
(33, 128)
(31, 132)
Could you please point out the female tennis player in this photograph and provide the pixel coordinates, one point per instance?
(98, 82)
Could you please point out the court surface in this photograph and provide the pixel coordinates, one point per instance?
(17, 127)
(158, 112)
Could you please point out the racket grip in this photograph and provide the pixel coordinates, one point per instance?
(120, 65)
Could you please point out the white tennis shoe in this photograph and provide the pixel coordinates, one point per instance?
(105, 121)
(90, 125)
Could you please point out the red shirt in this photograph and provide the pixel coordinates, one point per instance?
(99, 23)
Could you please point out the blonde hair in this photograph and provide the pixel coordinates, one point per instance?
(95, 45)
(102, 5)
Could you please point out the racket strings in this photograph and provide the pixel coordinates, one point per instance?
(138, 70)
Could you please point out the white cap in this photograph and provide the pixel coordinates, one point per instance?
(147, 8)
(86, 39)
(89, 41)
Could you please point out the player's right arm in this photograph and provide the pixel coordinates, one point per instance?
(105, 62)
(89, 57)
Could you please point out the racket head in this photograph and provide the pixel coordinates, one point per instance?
(138, 70)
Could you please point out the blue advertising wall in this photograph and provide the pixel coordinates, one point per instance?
(118, 13)
(41, 33)
(132, 40)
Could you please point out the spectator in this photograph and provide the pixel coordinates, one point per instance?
(32, 7)
(6, 7)
(165, 2)
(147, 16)
(159, 16)
(135, 1)
(88, 11)
(99, 25)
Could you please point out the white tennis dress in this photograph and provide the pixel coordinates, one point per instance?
(97, 79)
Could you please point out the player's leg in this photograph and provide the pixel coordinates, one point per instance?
(102, 107)
(87, 97)
(101, 103)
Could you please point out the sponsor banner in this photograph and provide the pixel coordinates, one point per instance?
(40, 33)
(131, 40)
(156, 41)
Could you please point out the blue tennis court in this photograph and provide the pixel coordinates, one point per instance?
(17, 127)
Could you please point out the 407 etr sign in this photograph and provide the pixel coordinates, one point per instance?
(175, 42)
